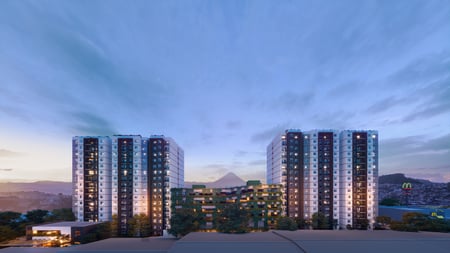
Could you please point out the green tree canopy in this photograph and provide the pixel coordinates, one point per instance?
(233, 219)
(36, 216)
(114, 225)
(320, 221)
(184, 221)
(6, 233)
(139, 226)
(302, 223)
(63, 214)
(286, 223)
(385, 220)
(9, 217)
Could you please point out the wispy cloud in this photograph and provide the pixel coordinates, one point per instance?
(421, 71)
(436, 101)
(267, 134)
(233, 124)
(411, 145)
(6, 170)
(9, 153)
(416, 154)
(87, 123)
(259, 162)
(292, 101)
(389, 103)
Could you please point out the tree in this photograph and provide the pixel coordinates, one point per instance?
(362, 224)
(302, 223)
(36, 216)
(286, 223)
(418, 220)
(382, 222)
(8, 217)
(415, 221)
(102, 231)
(139, 226)
(63, 214)
(114, 225)
(320, 221)
(233, 219)
(400, 226)
(184, 221)
(6, 233)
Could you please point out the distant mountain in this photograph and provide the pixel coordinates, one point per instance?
(31, 200)
(229, 180)
(400, 178)
(40, 186)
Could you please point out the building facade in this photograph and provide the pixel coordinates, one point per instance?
(285, 166)
(91, 178)
(129, 181)
(123, 176)
(262, 201)
(330, 172)
(321, 176)
(166, 171)
(358, 178)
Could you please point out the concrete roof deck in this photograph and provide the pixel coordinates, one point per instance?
(148, 244)
(68, 224)
(310, 241)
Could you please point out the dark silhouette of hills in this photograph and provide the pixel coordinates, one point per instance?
(400, 178)
(228, 180)
(53, 187)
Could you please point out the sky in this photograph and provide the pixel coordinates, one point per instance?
(222, 78)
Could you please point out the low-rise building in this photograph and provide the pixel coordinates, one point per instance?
(262, 201)
(66, 231)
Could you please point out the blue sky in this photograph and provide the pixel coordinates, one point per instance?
(222, 78)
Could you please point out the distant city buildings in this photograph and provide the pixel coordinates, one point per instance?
(262, 201)
(327, 171)
(125, 175)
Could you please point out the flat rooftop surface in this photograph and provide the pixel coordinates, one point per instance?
(148, 244)
(69, 224)
(316, 241)
(303, 241)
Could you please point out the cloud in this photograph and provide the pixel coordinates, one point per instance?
(268, 134)
(233, 124)
(291, 101)
(87, 123)
(436, 101)
(425, 69)
(428, 112)
(9, 153)
(335, 120)
(254, 175)
(343, 89)
(6, 169)
(411, 145)
(241, 153)
(259, 162)
(388, 103)
(416, 154)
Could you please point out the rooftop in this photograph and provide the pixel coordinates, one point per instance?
(69, 224)
(311, 241)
